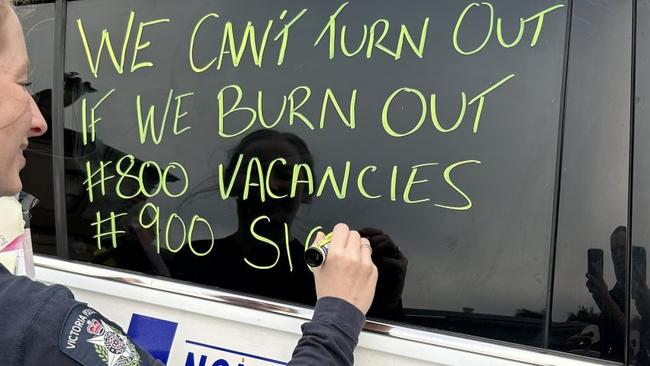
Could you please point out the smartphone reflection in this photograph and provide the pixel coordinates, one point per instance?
(606, 334)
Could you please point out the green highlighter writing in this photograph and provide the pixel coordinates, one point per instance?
(316, 254)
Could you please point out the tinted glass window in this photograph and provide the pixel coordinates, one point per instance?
(589, 295)
(639, 345)
(454, 190)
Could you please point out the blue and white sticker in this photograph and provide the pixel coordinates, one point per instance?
(202, 354)
(158, 337)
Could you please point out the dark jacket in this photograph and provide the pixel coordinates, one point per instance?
(41, 323)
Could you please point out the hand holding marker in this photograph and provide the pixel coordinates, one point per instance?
(316, 254)
(345, 269)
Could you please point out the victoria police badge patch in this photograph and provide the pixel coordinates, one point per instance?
(92, 340)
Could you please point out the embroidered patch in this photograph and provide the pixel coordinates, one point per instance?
(92, 340)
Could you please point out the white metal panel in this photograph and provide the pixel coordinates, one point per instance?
(266, 333)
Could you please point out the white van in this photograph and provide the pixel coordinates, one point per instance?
(493, 153)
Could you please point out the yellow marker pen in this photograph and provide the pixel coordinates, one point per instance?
(316, 254)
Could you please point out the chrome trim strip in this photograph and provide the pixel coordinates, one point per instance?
(449, 340)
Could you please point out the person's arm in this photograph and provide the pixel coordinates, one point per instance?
(608, 307)
(345, 287)
(60, 330)
(331, 336)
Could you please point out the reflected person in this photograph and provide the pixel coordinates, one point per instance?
(611, 302)
(245, 263)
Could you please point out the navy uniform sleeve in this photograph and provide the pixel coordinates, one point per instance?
(38, 321)
(331, 336)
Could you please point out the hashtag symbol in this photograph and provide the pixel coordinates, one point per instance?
(112, 232)
(90, 175)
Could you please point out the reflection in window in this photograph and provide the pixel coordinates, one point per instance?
(236, 212)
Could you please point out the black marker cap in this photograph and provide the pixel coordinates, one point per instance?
(314, 256)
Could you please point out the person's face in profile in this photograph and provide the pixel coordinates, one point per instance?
(617, 243)
(19, 115)
(279, 181)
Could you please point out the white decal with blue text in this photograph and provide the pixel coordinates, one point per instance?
(201, 354)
